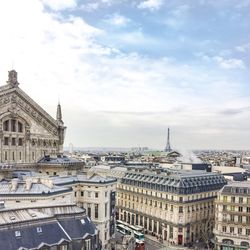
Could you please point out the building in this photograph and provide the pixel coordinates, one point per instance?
(64, 227)
(33, 192)
(97, 195)
(27, 132)
(232, 224)
(177, 206)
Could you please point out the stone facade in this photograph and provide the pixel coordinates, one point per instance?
(177, 207)
(232, 227)
(27, 132)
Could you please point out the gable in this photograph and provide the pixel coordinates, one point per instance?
(14, 100)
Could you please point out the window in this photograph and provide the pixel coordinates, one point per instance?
(96, 194)
(181, 209)
(233, 199)
(239, 230)
(224, 229)
(239, 218)
(63, 247)
(181, 199)
(106, 209)
(247, 231)
(240, 209)
(89, 194)
(88, 244)
(20, 127)
(224, 207)
(20, 155)
(106, 194)
(96, 211)
(240, 199)
(13, 125)
(13, 156)
(171, 208)
(89, 210)
(105, 236)
(13, 141)
(5, 155)
(39, 230)
(20, 141)
(6, 125)
(6, 141)
(82, 193)
(231, 229)
(224, 198)
(231, 217)
(17, 233)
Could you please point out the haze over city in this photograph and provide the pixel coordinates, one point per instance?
(124, 71)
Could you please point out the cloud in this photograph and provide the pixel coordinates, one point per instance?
(231, 63)
(60, 4)
(243, 47)
(150, 4)
(89, 7)
(117, 20)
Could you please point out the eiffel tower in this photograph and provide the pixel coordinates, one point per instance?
(168, 147)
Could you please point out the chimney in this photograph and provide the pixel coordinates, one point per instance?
(28, 184)
(14, 184)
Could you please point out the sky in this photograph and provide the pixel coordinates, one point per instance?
(126, 70)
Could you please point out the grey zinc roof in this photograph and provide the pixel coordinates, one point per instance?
(30, 239)
(82, 178)
(36, 188)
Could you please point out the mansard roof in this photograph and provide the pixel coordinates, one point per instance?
(177, 181)
(31, 227)
(240, 188)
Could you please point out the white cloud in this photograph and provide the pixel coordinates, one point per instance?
(150, 4)
(89, 7)
(243, 47)
(60, 4)
(117, 20)
(231, 63)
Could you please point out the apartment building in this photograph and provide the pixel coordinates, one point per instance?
(97, 195)
(177, 206)
(232, 224)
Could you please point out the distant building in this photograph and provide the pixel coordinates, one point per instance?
(177, 206)
(27, 132)
(65, 227)
(232, 217)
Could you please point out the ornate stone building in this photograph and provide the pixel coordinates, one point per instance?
(27, 132)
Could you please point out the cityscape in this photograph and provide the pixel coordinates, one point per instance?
(124, 125)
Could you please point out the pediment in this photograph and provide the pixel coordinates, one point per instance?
(14, 100)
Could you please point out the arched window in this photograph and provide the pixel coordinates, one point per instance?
(228, 241)
(244, 244)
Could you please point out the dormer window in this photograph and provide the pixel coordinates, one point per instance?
(17, 233)
(39, 230)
